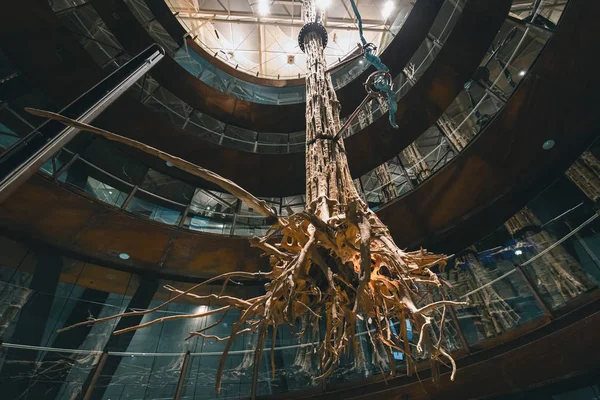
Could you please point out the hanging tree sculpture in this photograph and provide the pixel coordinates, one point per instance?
(337, 264)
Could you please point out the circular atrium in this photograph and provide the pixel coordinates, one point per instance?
(299, 199)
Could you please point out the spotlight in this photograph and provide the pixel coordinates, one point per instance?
(518, 252)
(169, 164)
(263, 7)
(522, 72)
(388, 7)
(124, 256)
(548, 144)
(110, 192)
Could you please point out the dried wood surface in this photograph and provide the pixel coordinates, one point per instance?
(334, 265)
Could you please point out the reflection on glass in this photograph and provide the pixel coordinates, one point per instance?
(153, 211)
(91, 180)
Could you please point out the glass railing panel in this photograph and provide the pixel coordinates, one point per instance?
(272, 143)
(95, 182)
(251, 225)
(195, 125)
(7, 137)
(149, 206)
(162, 37)
(19, 306)
(446, 20)
(210, 222)
(558, 260)
(140, 10)
(140, 376)
(65, 5)
(164, 102)
(499, 297)
(41, 373)
(167, 187)
(121, 165)
(87, 27)
(62, 157)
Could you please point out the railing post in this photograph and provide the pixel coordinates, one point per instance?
(238, 207)
(461, 334)
(182, 376)
(405, 172)
(66, 166)
(99, 367)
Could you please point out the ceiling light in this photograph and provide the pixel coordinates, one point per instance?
(124, 256)
(323, 4)
(110, 192)
(388, 7)
(263, 7)
(169, 164)
(522, 72)
(548, 144)
(361, 62)
(518, 252)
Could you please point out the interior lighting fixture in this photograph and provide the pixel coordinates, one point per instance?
(518, 252)
(110, 192)
(169, 164)
(388, 7)
(124, 256)
(522, 72)
(548, 144)
(323, 4)
(263, 7)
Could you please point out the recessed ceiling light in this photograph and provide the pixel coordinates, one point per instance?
(388, 7)
(169, 164)
(518, 252)
(124, 256)
(548, 144)
(522, 72)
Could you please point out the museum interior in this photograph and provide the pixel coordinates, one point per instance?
(299, 199)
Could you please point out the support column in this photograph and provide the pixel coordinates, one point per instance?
(495, 315)
(19, 366)
(557, 274)
(54, 369)
(585, 173)
(140, 300)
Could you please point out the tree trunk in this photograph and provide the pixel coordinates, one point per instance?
(334, 264)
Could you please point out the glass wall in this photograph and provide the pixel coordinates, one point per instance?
(42, 291)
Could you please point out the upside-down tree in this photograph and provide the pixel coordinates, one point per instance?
(334, 265)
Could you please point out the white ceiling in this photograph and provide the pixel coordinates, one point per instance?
(235, 32)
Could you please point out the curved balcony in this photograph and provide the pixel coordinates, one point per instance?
(179, 79)
(85, 22)
(126, 259)
(46, 289)
(403, 179)
(406, 40)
